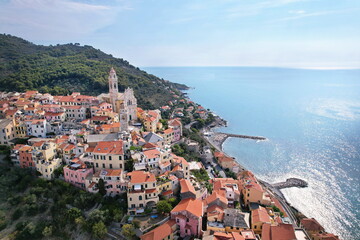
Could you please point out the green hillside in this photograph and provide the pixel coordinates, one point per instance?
(62, 69)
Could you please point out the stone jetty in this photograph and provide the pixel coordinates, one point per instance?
(291, 182)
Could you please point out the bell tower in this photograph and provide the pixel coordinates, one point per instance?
(113, 87)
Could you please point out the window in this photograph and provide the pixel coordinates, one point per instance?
(130, 199)
(109, 157)
(110, 165)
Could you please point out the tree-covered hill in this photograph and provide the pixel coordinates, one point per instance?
(62, 69)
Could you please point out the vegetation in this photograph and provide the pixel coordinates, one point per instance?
(230, 174)
(33, 208)
(62, 69)
(201, 175)
(182, 150)
(128, 230)
(163, 207)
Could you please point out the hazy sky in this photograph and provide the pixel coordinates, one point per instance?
(285, 33)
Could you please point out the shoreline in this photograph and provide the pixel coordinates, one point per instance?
(217, 139)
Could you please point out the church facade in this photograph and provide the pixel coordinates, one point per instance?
(125, 104)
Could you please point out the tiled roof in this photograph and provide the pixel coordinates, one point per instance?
(186, 186)
(260, 215)
(279, 232)
(310, 224)
(193, 206)
(109, 147)
(141, 177)
(153, 153)
(160, 232)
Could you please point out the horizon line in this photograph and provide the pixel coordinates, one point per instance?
(302, 68)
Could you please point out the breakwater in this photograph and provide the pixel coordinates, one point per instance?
(291, 182)
(244, 136)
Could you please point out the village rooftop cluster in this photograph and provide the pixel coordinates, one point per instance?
(107, 143)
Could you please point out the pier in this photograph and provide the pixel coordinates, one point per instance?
(291, 182)
(244, 136)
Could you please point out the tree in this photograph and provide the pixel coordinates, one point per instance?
(128, 230)
(101, 186)
(99, 230)
(163, 207)
(129, 165)
(47, 232)
(73, 214)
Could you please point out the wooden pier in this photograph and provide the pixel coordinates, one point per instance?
(291, 182)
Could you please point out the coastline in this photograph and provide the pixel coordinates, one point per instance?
(217, 139)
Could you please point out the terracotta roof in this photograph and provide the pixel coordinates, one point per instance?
(141, 177)
(214, 196)
(279, 232)
(150, 190)
(160, 232)
(149, 145)
(260, 215)
(186, 186)
(193, 206)
(153, 153)
(168, 131)
(325, 236)
(169, 192)
(310, 224)
(109, 147)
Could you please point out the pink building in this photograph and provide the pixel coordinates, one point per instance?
(76, 173)
(176, 126)
(188, 216)
(114, 181)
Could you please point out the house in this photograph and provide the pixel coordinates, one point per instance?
(36, 127)
(227, 187)
(187, 189)
(166, 230)
(235, 220)
(168, 135)
(181, 167)
(188, 217)
(225, 162)
(114, 181)
(259, 217)
(176, 126)
(76, 173)
(278, 232)
(311, 225)
(47, 167)
(142, 192)
(75, 112)
(108, 154)
(7, 132)
(252, 190)
(324, 236)
(25, 157)
(164, 186)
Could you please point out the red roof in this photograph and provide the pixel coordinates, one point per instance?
(279, 232)
(161, 232)
(193, 206)
(310, 224)
(186, 186)
(109, 147)
(260, 215)
(141, 177)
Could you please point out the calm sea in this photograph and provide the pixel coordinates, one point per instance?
(312, 120)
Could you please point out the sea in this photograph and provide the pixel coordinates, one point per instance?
(312, 121)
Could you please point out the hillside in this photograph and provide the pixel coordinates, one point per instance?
(62, 69)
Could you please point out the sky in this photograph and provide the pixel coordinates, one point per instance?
(276, 33)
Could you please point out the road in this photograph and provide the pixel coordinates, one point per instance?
(209, 163)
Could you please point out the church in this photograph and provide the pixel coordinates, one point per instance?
(125, 104)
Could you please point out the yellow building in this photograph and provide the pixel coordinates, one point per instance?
(7, 131)
(142, 192)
